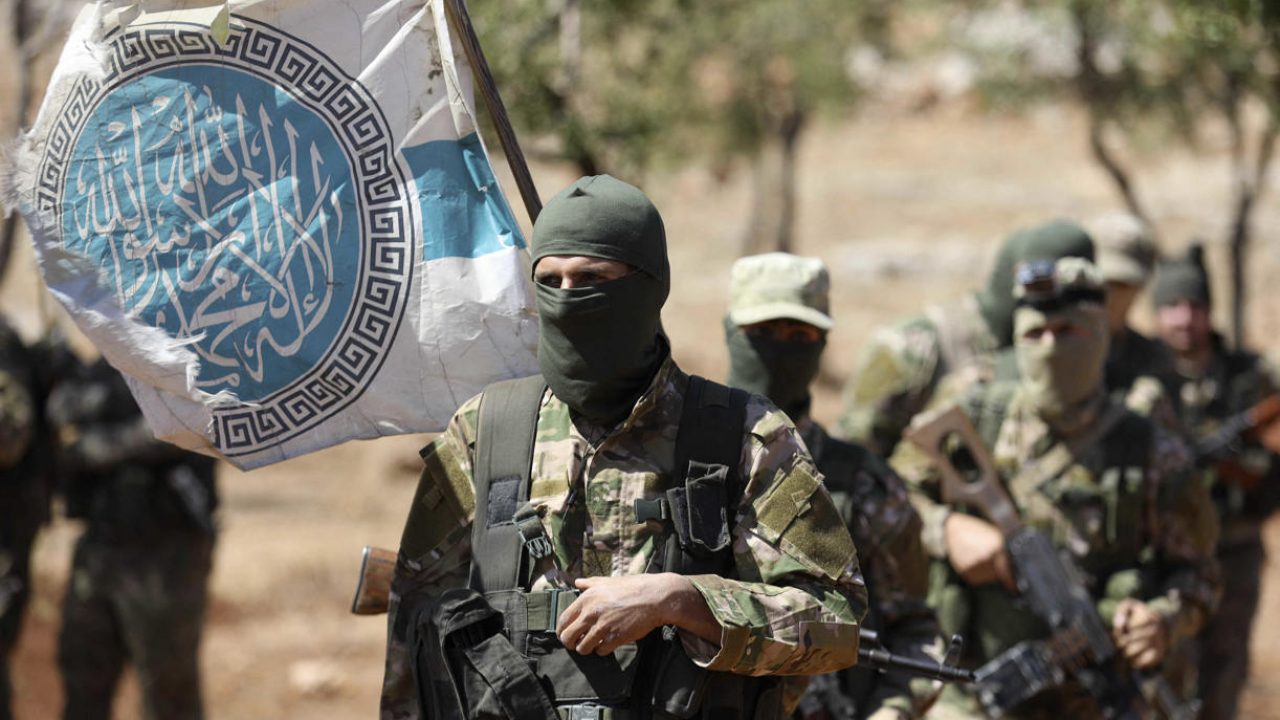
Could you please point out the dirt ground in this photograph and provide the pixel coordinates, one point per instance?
(905, 209)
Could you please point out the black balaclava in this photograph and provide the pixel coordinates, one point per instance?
(779, 370)
(600, 346)
(1051, 241)
(1183, 279)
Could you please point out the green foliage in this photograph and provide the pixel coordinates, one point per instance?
(1155, 65)
(661, 80)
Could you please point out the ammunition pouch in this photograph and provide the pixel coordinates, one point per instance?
(497, 656)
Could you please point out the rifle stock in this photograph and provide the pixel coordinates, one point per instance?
(1081, 646)
(373, 588)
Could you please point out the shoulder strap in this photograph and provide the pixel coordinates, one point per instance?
(505, 435)
(707, 455)
(711, 427)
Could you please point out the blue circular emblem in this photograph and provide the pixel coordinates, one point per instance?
(246, 199)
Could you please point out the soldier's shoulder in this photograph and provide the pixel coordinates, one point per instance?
(898, 356)
(871, 497)
(765, 422)
(912, 333)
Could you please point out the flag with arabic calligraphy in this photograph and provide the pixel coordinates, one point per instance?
(276, 217)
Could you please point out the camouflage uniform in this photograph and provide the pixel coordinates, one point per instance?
(24, 499)
(798, 595)
(1134, 520)
(902, 365)
(873, 502)
(1117, 511)
(773, 293)
(139, 576)
(1234, 382)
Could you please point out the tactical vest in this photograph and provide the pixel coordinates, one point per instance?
(1118, 507)
(490, 650)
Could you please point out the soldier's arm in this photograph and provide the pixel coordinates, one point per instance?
(892, 382)
(1185, 527)
(897, 568)
(435, 550)
(799, 596)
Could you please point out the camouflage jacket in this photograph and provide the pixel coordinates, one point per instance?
(1233, 382)
(873, 502)
(901, 366)
(798, 595)
(1136, 522)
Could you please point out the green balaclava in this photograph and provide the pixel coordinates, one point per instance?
(779, 370)
(600, 346)
(1183, 279)
(1062, 378)
(1050, 241)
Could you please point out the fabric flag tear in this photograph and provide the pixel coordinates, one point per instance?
(276, 217)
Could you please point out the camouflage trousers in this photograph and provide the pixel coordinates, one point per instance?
(140, 602)
(20, 516)
(1224, 655)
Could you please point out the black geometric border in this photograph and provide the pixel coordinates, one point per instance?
(387, 216)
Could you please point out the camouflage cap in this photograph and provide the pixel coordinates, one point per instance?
(1126, 253)
(777, 286)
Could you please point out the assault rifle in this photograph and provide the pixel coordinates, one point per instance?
(1080, 646)
(1259, 421)
(378, 565)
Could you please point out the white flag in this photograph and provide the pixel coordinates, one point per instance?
(276, 217)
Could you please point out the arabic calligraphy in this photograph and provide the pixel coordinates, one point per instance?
(221, 211)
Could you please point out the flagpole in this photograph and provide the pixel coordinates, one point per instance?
(461, 20)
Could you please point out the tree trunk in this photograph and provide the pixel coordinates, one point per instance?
(1093, 91)
(1250, 185)
(773, 180)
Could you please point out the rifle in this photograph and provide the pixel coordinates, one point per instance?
(377, 566)
(1080, 646)
(1258, 421)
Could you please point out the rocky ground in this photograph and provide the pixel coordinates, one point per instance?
(906, 209)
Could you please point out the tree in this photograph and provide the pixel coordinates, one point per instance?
(622, 85)
(1171, 66)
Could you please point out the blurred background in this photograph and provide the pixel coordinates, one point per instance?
(899, 141)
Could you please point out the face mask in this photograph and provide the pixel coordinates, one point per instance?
(1062, 378)
(600, 346)
(779, 370)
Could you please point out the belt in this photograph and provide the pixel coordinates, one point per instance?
(544, 608)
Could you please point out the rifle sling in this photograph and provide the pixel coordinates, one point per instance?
(1039, 473)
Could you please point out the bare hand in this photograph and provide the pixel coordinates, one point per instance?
(975, 548)
(613, 611)
(1139, 633)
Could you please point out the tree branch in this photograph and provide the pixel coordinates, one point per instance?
(1092, 88)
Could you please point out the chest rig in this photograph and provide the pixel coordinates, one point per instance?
(491, 650)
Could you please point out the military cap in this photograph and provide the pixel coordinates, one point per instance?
(777, 286)
(1125, 251)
